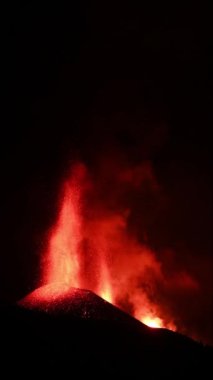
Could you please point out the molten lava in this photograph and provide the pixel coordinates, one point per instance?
(152, 322)
(92, 249)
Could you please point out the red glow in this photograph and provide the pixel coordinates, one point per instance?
(46, 293)
(91, 248)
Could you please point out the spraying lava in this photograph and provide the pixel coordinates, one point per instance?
(62, 261)
(67, 260)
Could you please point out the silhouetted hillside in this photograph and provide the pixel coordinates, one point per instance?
(81, 334)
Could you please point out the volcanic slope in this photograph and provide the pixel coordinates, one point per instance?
(77, 333)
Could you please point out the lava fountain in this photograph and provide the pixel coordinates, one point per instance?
(63, 260)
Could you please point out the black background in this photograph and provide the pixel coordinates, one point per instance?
(83, 78)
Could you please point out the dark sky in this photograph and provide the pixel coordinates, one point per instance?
(84, 80)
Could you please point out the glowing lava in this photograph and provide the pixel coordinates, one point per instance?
(106, 294)
(152, 322)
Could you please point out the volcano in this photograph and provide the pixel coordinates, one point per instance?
(61, 300)
(80, 334)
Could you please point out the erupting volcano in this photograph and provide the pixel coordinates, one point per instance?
(89, 248)
(92, 257)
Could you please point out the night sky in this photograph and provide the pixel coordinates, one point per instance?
(94, 80)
